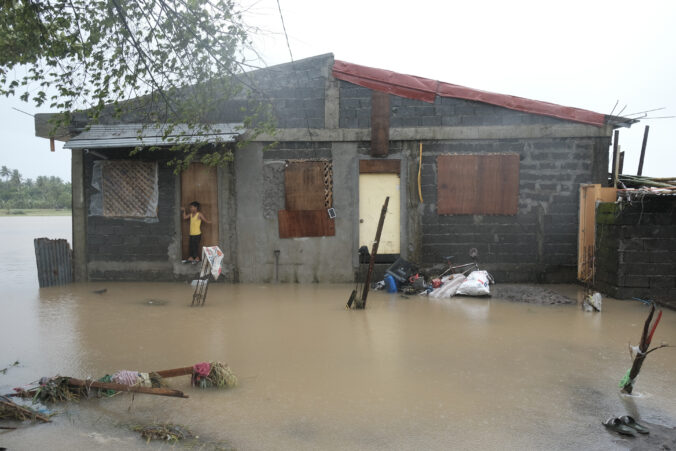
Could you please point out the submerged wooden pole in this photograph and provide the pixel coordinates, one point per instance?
(374, 252)
(126, 388)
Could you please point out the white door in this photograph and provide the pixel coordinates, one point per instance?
(373, 189)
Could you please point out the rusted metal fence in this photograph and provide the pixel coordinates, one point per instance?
(55, 261)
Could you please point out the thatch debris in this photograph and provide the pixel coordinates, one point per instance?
(164, 432)
(9, 410)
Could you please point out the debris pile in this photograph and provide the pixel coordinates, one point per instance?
(164, 432)
(465, 279)
(9, 410)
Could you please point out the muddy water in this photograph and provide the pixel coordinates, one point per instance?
(407, 373)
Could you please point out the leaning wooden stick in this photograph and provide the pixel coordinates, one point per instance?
(374, 252)
(627, 383)
(126, 388)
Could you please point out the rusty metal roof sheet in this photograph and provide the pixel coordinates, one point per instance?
(419, 88)
(133, 135)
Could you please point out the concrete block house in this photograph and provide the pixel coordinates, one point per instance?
(463, 168)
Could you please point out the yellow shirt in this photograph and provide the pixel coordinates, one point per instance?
(195, 224)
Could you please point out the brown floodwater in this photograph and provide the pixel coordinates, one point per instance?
(406, 373)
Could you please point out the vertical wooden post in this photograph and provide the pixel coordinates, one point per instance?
(613, 177)
(620, 165)
(380, 123)
(643, 146)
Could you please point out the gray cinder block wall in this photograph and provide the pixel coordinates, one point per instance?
(636, 249)
(133, 249)
(538, 244)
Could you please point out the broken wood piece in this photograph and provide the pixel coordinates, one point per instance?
(627, 382)
(185, 371)
(30, 413)
(126, 388)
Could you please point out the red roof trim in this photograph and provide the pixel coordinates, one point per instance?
(424, 89)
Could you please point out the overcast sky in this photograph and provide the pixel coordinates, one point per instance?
(587, 54)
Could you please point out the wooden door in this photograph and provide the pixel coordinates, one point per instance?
(589, 196)
(373, 189)
(200, 183)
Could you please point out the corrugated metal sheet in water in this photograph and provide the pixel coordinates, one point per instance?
(54, 260)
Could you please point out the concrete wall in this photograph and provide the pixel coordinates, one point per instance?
(355, 112)
(130, 249)
(260, 194)
(540, 242)
(636, 249)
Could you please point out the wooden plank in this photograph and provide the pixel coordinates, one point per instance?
(379, 166)
(199, 182)
(478, 184)
(126, 388)
(304, 185)
(305, 223)
(589, 195)
(380, 123)
(498, 185)
(456, 184)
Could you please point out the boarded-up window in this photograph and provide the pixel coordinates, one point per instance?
(478, 184)
(126, 189)
(308, 195)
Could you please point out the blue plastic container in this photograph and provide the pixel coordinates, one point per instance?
(391, 284)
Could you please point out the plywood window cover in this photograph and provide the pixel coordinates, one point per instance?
(308, 196)
(308, 184)
(478, 184)
(305, 223)
(129, 189)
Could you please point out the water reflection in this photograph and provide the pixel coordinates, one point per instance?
(406, 373)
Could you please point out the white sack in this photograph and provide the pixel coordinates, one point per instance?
(477, 284)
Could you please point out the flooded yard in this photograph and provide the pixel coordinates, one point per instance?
(406, 373)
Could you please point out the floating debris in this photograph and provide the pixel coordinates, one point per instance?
(9, 410)
(55, 389)
(156, 302)
(214, 374)
(101, 291)
(4, 370)
(164, 432)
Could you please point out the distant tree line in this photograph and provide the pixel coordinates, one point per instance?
(43, 192)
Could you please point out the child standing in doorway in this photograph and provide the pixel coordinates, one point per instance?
(196, 217)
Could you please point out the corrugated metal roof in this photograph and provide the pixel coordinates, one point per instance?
(132, 135)
(425, 89)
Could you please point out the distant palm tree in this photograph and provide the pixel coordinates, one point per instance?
(5, 172)
(16, 176)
